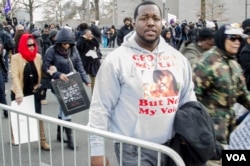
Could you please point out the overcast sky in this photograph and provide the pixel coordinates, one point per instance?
(38, 14)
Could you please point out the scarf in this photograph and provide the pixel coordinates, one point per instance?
(23, 48)
(61, 51)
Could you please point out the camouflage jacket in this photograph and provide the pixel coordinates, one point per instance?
(219, 84)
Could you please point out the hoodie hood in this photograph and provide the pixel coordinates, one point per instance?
(129, 41)
(223, 32)
(65, 35)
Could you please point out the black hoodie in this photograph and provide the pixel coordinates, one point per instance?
(65, 35)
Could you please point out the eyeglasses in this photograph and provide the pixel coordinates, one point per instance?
(233, 38)
(30, 45)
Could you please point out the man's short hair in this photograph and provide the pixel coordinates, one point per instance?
(127, 19)
(205, 33)
(145, 3)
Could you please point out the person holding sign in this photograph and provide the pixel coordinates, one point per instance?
(63, 56)
(122, 102)
(26, 75)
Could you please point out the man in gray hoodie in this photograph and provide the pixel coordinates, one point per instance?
(143, 82)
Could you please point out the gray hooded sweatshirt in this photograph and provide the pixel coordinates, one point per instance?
(137, 92)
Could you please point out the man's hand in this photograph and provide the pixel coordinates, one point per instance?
(98, 161)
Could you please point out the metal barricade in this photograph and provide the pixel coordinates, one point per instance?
(30, 153)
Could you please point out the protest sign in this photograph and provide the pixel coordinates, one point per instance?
(240, 137)
(22, 121)
(71, 94)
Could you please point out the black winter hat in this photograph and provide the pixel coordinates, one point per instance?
(205, 33)
(53, 33)
(65, 35)
(246, 23)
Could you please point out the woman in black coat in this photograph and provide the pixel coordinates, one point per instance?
(64, 56)
(244, 59)
(91, 64)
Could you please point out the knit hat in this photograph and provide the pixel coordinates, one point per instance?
(19, 27)
(247, 31)
(53, 33)
(246, 23)
(210, 24)
(171, 21)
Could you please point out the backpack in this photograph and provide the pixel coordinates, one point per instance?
(7, 40)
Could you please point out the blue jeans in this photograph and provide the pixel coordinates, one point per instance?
(62, 115)
(130, 156)
(104, 42)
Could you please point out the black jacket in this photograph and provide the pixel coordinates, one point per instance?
(62, 62)
(122, 33)
(195, 138)
(83, 45)
(244, 61)
(95, 31)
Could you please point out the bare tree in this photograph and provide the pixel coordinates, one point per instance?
(203, 10)
(31, 5)
(215, 10)
(97, 9)
(69, 9)
(108, 8)
(50, 12)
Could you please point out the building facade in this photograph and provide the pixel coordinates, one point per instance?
(224, 11)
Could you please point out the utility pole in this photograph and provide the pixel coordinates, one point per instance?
(203, 9)
(163, 6)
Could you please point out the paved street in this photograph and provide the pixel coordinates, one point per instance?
(51, 109)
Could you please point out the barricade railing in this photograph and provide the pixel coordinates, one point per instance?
(31, 153)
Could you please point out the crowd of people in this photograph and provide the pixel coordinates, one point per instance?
(197, 64)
